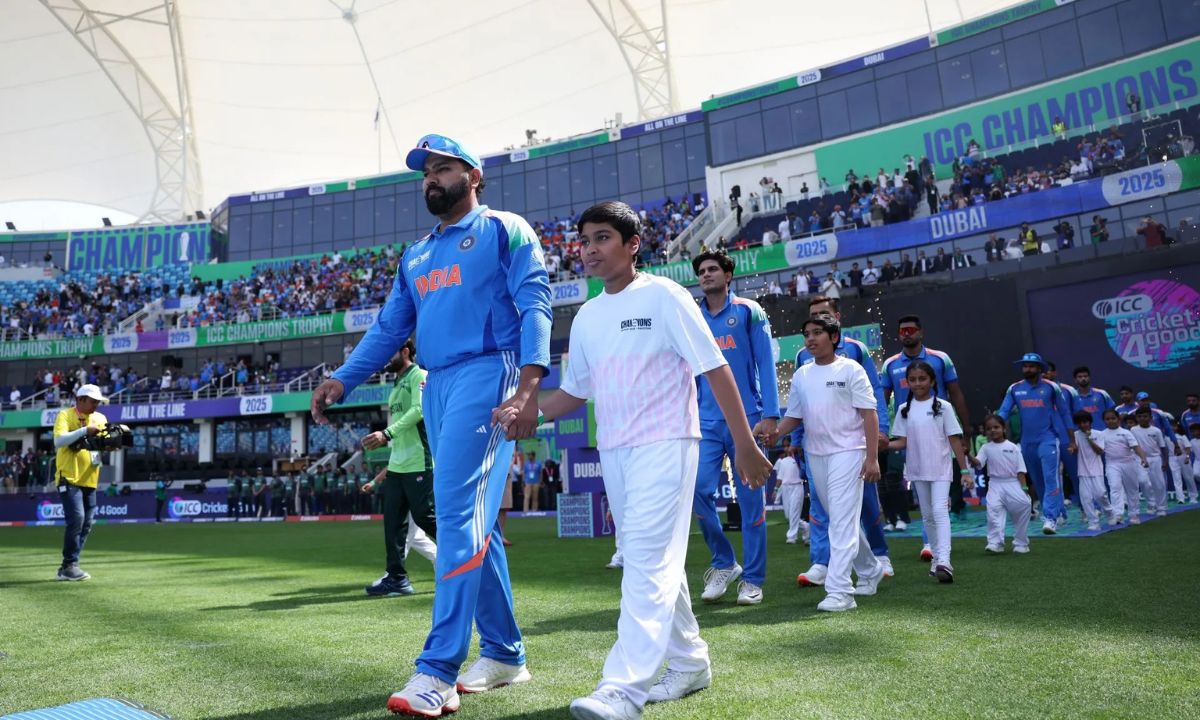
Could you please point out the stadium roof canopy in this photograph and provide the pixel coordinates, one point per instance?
(98, 93)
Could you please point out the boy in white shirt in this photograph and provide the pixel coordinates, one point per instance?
(834, 399)
(1090, 459)
(1194, 431)
(636, 349)
(790, 486)
(1005, 466)
(1124, 467)
(1153, 443)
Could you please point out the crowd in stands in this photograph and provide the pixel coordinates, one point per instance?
(20, 469)
(81, 309)
(660, 225)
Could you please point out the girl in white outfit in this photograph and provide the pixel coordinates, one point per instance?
(1124, 467)
(1005, 466)
(929, 430)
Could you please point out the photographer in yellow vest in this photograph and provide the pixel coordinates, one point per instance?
(76, 474)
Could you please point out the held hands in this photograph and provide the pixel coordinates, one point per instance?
(1072, 447)
(767, 431)
(518, 416)
(374, 440)
(752, 466)
(883, 442)
(968, 480)
(326, 394)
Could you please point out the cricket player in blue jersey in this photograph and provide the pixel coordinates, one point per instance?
(1127, 406)
(476, 292)
(871, 515)
(1091, 400)
(1191, 414)
(894, 379)
(743, 333)
(1070, 461)
(1046, 425)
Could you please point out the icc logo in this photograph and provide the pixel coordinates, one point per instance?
(731, 321)
(467, 243)
(1122, 305)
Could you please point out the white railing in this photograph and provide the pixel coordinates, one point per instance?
(29, 400)
(700, 225)
(296, 381)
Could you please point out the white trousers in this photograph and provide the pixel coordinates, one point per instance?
(792, 498)
(650, 489)
(1188, 472)
(1181, 473)
(419, 541)
(1123, 480)
(1006, 499)
(934, 497)
(1156, 498)
(1091, 496)
(837, 481)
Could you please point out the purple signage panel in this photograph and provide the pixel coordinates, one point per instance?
(662, 124)
(866, 61)
(46, 508)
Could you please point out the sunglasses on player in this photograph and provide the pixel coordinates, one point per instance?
(908, 331)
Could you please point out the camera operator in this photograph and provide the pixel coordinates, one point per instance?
(77, 473)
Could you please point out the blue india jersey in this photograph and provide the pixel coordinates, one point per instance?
(743, 333)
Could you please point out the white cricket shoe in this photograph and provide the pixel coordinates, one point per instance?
(888, 527)
(606, 704)
(424, 696)
(1049, 527)
(1135, 519)
(813, 576)
(488, 674)
(837, 602)
(901, 525)
(675, 684)
(1160, 513)
(1115, 519)
(868, 585)
(1093, 526)
(996, 549)
(617, 562)
(716, 581)
(886, 562)
(749, 593)
(926, 553)
(1021, 549)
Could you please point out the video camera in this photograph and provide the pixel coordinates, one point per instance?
(110, 438)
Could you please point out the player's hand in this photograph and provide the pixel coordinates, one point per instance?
(1178, 451)
(1145, 463)
(883, 442)
(870, 469)
(374, 440)
(753, 467)
(1072, 447)
(518, 416)
(968, 481)
(974, 461)
(326, 394)
(368, 487)
(92, 431)
(766, 430)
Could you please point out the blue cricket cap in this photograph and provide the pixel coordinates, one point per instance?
(439, 145)
(1142, 396)
(1032, 358)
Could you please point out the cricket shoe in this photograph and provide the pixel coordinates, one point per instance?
(71, 573)
(926, 553)
(1115, 520)
(1049, 527)
(676, 684)
(813, 576)
(901, 525)
(716, 581)
(837, 602)
(1093, 526)
(424, 696)
(888, 527)
(886, 562)
(868, 585)
(1160, 513)
(944, 573)
(996, 549)
(749, 593)
(1021, 549)
(617, 562)
(488, 674)
(389, 586)
(606, 704)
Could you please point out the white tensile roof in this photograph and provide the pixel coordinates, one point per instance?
(285, 92)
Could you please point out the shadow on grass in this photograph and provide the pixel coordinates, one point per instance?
(329, 595)
(347, 708)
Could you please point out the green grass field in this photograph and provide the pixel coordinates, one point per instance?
(251, 622)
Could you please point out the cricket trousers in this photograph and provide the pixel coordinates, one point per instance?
(870, 515)
(1006, 499)
(471, 459)
(934, 498)
(407, 507)
(716, 442)
(791, 496)
(1156, 498)
(650, 491)
(836, 482)
(1092, 496)
(1042, 462)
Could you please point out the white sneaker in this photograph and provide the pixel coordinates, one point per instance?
(886, 562)
(1135, 519)
(606, 704)
(488, 674)
(716, 581)
(926, 553)
(837, 602)
(617, 562)
(996, 549)
(424, 696)
(1049, 528)
(901, 525)
(749, 593)
(675, 684)
(889, 527)
(1115, 520)
(1093, 526)
(1021, 549)
(1161, 513)
(790, 541)
(813, 576)
(868, 585)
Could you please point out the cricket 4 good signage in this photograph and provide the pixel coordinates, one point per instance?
(138, 247)
(139, 505)
(1091, 99)
(1141, 329)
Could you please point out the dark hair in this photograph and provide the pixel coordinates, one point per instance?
(928, 370)
(1193, 427)
(1081, 368)
(1192, 395)
(1113, 411)
(1051, 366)
(915, 320)
(616, 213)
(1144, 410)
(997, 418)
(411, 344)
(479, 188)
(722, 260)
(818, 299)
(1123, 388)
(1081, 416)
(826, 322)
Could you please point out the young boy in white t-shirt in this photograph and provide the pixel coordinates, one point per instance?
(635, 350)
(1005, 465)
(1153, 443)
(1090, 461)
(834, 399)
(1124, 467)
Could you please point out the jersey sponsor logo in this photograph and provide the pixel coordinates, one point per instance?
(1033, 403)
(636, 324)
(835, 383)
(438, 279)
(417, 260)
(467, 243)
(726, 342)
